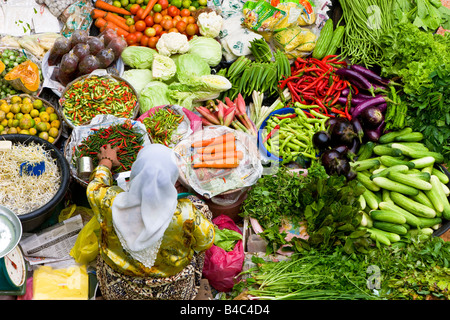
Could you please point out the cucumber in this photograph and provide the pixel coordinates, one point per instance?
(365, 151)
(437, 185)
(410, 137)
(390, 227)
(423, 233)
(324, 40)
(390, 185)
(384, 150)
(425, 176)
(393, 237)
(385, 195)
(415, 145)
(387, 216)
(390, 161)
(367, 164)
(336, 40)
(423, 199)
(412, 206)
(366, 220)
(384, 172)
(409, 180)
(371, 199)
(423, 162)
(429, 222)
(436, 195)
(366, 181)
(362, 202)
(441, 175)
(411, 219)
(416, 154)
(390, 137)
(378, 236)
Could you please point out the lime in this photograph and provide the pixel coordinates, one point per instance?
(37, 104)
(177, 3)
(15, 108)
(2, 115)
(124, 3)
(157, 8)
(34, 113)
(117, 4)
(186, 3)
(16, 99)
(43, 135)
(19, 116)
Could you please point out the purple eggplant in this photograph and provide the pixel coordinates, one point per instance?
(367, 104)
(321, 140)
(355, 78)
(369, 74)
(334, 162)
(375, 134)
(357, 126)
(372, 117)
(342, 132)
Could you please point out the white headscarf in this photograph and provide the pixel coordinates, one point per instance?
(142, 214)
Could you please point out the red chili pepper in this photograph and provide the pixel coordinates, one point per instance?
(272, 132)
(286, 117)
(293, 93)
(335, 110)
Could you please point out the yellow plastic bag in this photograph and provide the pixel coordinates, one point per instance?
(71, 283)
(85, 248)
(295, 41)
(86, 213)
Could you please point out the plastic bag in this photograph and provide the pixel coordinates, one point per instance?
(295, 41)
(222, 267)
(71, 283)
(85, 248)
(210, 182)
(85, 213)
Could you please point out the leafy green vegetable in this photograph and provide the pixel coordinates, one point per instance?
(154, 94)
(138, 57)
(414, 55)
(209, 49)
(226, 238)
(190, 66)
(427, 15)
(328, 204)
(138, 78)
(411, 269)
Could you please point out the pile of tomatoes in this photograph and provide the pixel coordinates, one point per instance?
(166, 18)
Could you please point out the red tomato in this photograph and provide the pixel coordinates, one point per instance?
(185, 12)
(176, 19)
(173, 11)
(138, 14)
(185, 20)
(144, 40)
(191, 29)
(134, 8)
(131, 39)
(140, 25)
(190, 20)
(138, 36)
(181, 26)
(152, 42)
(158, 28)
(149, 21)
(167, 24)
(132, 29)
(150, 32)
(157, 17)
(164, 3)
(173, 30)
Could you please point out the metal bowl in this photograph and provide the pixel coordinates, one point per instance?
(10, 231)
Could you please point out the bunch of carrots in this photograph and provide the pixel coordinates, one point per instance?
(217, 152)
(109, 16)
(229, 114)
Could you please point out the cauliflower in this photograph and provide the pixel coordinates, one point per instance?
(209, 24)
(163, 67)
(172, 43)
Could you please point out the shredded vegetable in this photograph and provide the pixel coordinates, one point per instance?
(26, 193)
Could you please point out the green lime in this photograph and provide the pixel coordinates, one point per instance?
(124, 3)
(186, 3)
(117, 4)
(195, 4)
(177, 3)
(157, 8)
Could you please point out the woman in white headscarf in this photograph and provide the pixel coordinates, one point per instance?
(151, 242)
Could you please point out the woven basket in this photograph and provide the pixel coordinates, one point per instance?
(61, 103)
(46, 104)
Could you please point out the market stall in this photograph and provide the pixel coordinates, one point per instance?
(296, 150)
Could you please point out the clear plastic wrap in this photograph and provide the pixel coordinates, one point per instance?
(210, 182)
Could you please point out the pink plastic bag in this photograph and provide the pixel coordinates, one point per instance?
(221, 267)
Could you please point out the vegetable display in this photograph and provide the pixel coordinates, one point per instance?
(162, 124)
(121, 135)
(93, 95)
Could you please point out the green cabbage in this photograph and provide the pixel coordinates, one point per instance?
(138, 78)
(154, 94)
(138, 57)
(163, 68)
(208, 48)
(190, 66)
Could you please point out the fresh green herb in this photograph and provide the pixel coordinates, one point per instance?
(428, 15)
(413, 269)
(413, 56)
(328, 204)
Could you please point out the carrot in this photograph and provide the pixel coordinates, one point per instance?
(99, 4)
(224, 147)
(97, 13)
(216, 164)
(212, 141)
(234, 155)
(116, 20)
(148, 8)
(103, 24)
